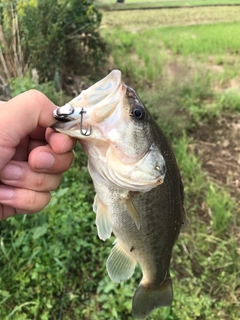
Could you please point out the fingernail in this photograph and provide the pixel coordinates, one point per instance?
(6, 193)
(44, 160)
(11, 172)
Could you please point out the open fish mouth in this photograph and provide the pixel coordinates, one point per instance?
(93, 105)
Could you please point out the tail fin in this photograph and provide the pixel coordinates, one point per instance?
(146, 299)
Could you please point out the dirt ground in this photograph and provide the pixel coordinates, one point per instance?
(217, 143)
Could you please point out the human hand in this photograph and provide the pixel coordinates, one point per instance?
(32, 156)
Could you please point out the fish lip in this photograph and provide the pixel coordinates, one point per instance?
(85, 104)
(65, 126)
(68, 113)
(63, 113)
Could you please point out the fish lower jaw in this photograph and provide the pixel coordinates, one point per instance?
(139, 187)
(145, 187)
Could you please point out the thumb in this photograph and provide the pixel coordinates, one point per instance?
(19, 117)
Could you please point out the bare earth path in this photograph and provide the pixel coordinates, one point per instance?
(217, 143)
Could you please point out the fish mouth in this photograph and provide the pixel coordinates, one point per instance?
(92, 107)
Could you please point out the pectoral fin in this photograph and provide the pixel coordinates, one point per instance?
(133, 212)
(103, 223)
(120, 265)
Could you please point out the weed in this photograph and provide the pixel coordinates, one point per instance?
(229, 100)
(21, 84)
(221, 209)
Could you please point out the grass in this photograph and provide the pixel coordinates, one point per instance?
(141, 4)
(211, 40)
(130, 20)
(191, 66)
(185, 76)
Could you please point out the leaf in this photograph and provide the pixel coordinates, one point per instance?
(61, 192)
(40, 231)
(4, 293)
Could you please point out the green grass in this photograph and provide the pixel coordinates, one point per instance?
(216, 39)
(184, 76)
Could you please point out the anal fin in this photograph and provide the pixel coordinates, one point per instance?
(103, 223)
(120, 265)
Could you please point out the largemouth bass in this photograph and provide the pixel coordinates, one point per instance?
(139, 193)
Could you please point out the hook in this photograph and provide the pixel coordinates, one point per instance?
(88, 131)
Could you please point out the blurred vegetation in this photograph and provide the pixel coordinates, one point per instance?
(130, 20)
(50, 36)
(21, 84)
(136, 4)
(52, 264)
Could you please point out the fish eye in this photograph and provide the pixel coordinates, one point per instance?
(138, 112)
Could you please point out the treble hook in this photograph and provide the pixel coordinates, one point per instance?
(88, 131)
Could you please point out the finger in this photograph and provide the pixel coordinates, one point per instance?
(34, 144)
(38, 134)
(37, 138)
(60, 143)
(43, 159)
(6, 211)
(19, 174)
(21, 153)
(23, 200)
(2, 103)
(19, 117)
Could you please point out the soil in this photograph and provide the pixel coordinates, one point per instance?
(217, 143)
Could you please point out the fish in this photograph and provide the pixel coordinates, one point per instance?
(139, 192)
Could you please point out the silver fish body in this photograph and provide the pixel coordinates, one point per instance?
(139, 193)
